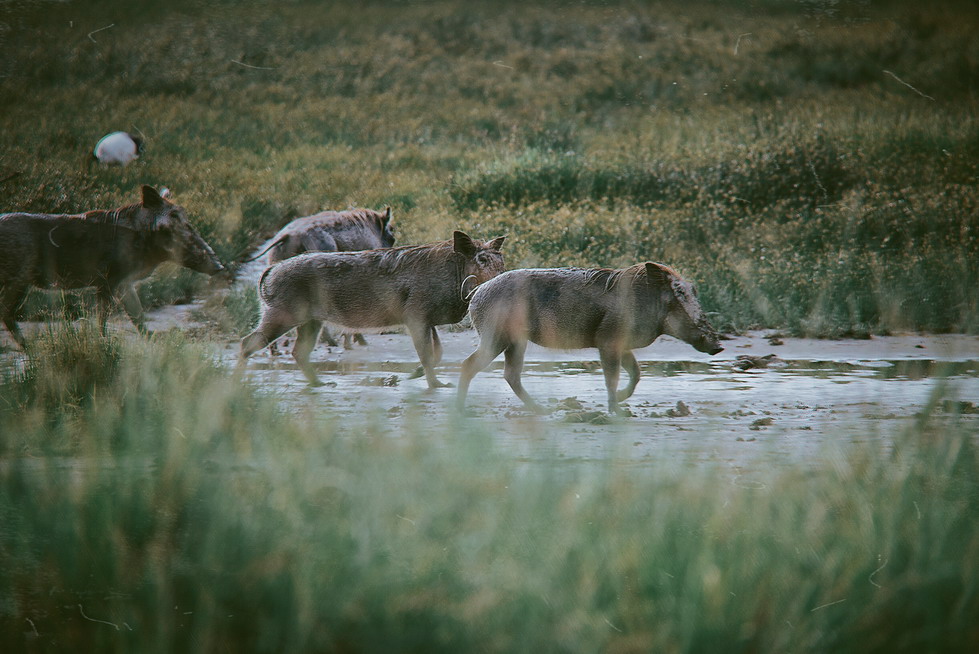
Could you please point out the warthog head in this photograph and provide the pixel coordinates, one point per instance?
(169, 221)
(685, 318)
(483, 261)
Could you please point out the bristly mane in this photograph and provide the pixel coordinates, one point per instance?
(361, 215)
(610, 278)
(112, 215)
(391, 259)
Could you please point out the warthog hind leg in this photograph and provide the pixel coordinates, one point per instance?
(330, 340)
(305, 342)
(268, 330)
(488, 350)
(429, 350)
(512, 369)
(10, 300)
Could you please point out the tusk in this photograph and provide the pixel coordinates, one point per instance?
(462, 288)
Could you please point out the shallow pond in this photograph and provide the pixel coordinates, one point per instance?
(742, 406)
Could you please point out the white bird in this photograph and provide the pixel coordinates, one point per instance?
(118, 148)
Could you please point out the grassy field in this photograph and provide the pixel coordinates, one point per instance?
(812, 165)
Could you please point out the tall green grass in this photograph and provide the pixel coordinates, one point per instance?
(184, 511)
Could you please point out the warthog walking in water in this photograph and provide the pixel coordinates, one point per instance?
(109, 250)
(417, 286)
(615, 311)
(333, 231)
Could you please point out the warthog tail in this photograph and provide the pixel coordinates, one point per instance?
(261, 282)
(272, 245)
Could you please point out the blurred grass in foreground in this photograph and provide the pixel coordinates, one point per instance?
(149, 501)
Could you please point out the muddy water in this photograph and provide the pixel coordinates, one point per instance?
(810, 398)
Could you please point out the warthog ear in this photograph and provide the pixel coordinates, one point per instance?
(496, 243)
(462, 244)
(657, 275)
(152, 199)
(387, 216)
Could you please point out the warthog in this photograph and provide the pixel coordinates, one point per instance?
(333, 231)
(417, 286)
(109, 250)
(615, 311)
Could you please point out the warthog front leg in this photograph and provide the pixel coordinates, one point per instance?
(436, 352)
(129, 300)
(611, 361)
(429, 349)
(308, 333)
(105, 300)
(632, 367)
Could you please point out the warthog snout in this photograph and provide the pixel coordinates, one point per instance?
(202, 259)
(685, 318)
(702, 338)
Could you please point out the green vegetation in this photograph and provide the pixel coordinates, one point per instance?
(812, 165)
(156, 504)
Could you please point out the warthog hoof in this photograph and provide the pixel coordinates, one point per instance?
(538, 409)
(437, 385)
(621, 412)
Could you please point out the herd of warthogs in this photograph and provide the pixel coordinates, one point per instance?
(342, 268)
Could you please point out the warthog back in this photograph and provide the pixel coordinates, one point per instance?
(333, 231)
